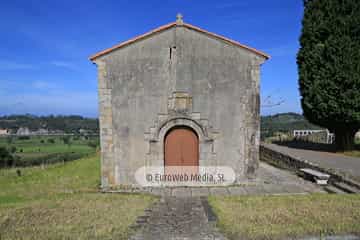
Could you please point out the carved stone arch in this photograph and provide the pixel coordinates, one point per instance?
(180, 113)
(178, 122)
(156, 137)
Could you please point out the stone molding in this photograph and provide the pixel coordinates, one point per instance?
(180, 114)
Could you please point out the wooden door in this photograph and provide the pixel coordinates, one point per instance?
(181, 148)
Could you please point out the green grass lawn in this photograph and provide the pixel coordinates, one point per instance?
(62, 202)
(55, 148)
(279, 217)
(30, 150)
(353, 153)
(356, 151)
(40, 144)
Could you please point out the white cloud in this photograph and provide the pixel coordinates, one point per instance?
(14, 66)
(8, 86)
(45, 97)
(11, 65)
(227, 5)
(63, 64)
(43, 85)
(284, 50)
(83, 103)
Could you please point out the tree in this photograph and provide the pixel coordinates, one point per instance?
(9, 140)
(6, 159)
(13, 149)
(93, 144)
(67, 140)
(329, 67)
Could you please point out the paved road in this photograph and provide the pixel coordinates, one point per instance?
(341, 163)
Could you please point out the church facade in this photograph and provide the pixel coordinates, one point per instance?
(178, 95)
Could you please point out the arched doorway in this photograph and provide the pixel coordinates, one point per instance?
(181, 147)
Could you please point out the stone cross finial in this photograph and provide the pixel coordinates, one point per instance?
(179, 19)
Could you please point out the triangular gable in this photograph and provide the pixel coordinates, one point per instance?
(174, 24)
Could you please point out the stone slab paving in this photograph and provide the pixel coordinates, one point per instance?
(237, 191)
(270, 180)
(182, 214)
(200, 192)
(219, 191)
(341, 163)
(181, 192)
(338, 237)
(178, 218)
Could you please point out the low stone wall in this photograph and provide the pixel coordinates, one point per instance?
(281, 160)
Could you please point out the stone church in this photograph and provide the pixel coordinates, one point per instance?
(178, 95)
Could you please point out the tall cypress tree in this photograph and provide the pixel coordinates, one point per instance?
(329, 67)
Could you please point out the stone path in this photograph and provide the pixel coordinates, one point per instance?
(178, 218)
(270, 180)
(341, 163)
(183, 213)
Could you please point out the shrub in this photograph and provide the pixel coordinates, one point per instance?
(48, 159)
(6, 159)
(93, 144)
(24, 137)
(12, 149)
(9, 139)
(66, 140)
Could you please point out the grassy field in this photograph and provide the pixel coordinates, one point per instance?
(42, 148)
(62, 202)
(278, 217)
(41, 144)
(356, 152)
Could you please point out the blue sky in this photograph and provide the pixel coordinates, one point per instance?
(45, 45)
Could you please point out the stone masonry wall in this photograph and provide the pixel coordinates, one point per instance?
(178, 77)
(105, 121)
(270, 155)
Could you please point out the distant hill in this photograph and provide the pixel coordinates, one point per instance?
(66, 124)
(284, 122)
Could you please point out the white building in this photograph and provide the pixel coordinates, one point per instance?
(4, 132)
(305, 132)
(327, 136)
